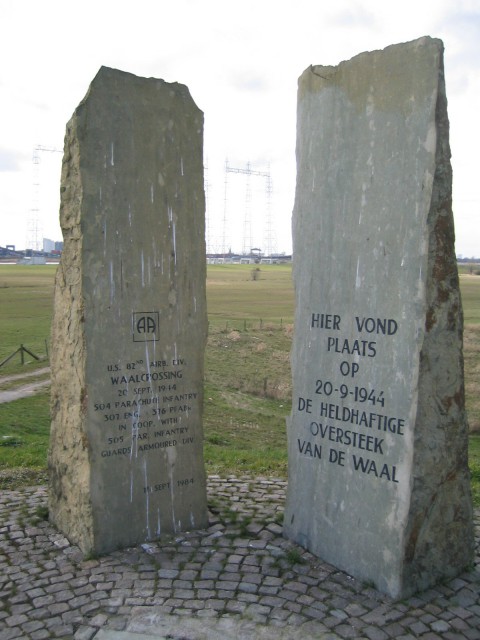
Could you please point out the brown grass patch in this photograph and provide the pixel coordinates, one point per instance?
(471, 353)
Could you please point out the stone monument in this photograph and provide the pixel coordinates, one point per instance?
(130, 324)
(378, 476)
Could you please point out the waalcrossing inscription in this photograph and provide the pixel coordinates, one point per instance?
(129, 327)
(377, 437)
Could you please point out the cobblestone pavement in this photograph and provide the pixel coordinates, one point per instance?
(239, 577)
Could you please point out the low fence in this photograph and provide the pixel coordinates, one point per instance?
(22, 350)
(243, 324)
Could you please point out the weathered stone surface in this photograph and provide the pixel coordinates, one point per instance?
(378, 476)
(129, 324)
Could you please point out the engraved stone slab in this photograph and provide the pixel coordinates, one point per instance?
(129, 328)
(378, 476)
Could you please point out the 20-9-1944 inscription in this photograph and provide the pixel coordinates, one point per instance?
(348, 421)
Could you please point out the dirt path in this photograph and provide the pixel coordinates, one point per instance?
(25, 390)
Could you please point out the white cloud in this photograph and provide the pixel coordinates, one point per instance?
(240, 61)
(10, 160)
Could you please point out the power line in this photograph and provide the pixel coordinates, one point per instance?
(34, 226)
(269, 239)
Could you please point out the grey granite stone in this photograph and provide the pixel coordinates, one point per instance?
(129, 326)
(378, 475)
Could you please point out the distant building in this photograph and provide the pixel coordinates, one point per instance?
(48, 245)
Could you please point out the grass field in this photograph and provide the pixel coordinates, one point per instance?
(234, 297)
(26, 295)
(247, 379)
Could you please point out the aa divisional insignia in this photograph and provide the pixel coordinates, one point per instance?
(145, 326)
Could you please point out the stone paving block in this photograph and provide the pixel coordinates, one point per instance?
(294, 607)
(374, 633)
(254, 610)
(104, 586)
(235, 606)
(43, 601)
(462, 612)
(345, 631)
(249, 569)
(19, 598)
(78, 601)
(39, 614)
(168, 573)
(63, 596)
(247, 587)
(253, 578)
(325, 589)
(58, 608)
(305, 600)
(207, 613)
(116, 600)
(33, 625)
(393, 630)
(99, 620)
(195, 605)
(297, 586)
(271, 601)
(458, 624)
(62, 631)
(209, 575)
(331, 621)
(16, 620)
(20, 608)
(247, 597)
(279, 614)
(216, 604)
(268, 591)
(182, 584)
(288, 595)
(35, 593)
(41, 634)
(376, 617)
(90, 607)
(84, 633)
(295, 619)
(72, 617)
(64, 577)
(183, 594)
(9, 634)
(227, 585)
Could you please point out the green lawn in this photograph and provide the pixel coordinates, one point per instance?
(470, 287)
(247, 373)
(474, 461)
(26, 298)
(234, 297)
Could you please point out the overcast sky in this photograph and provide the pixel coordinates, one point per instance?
(241, 62)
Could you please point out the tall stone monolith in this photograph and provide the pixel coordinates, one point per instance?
(129, 327)
(378, 475)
